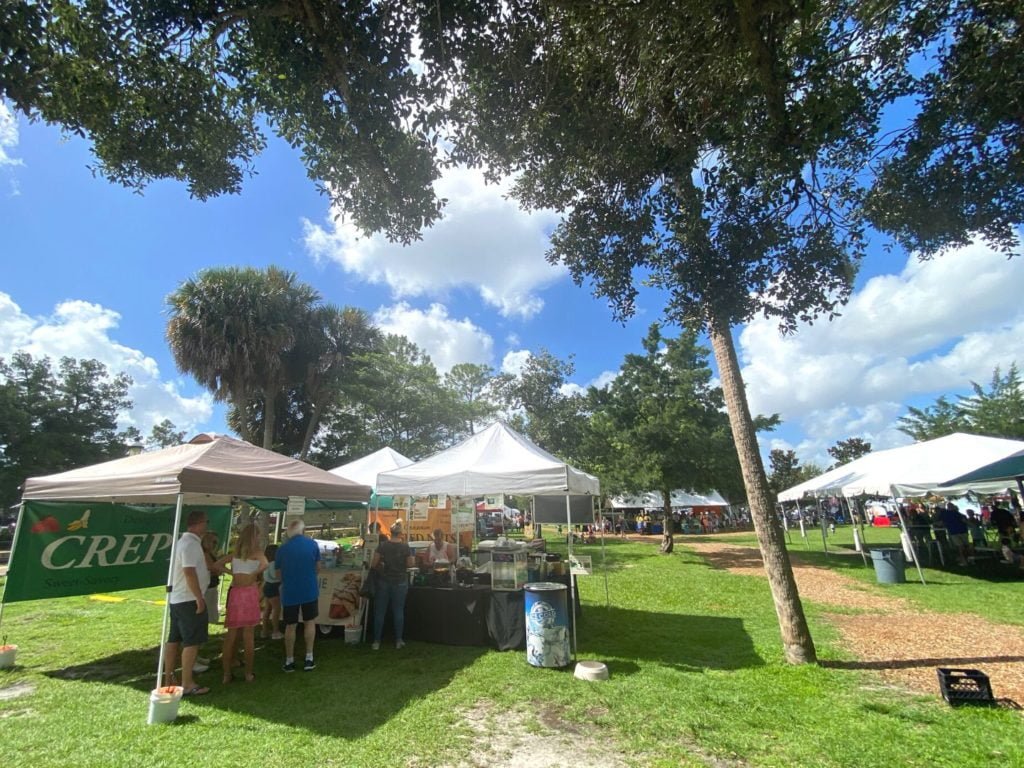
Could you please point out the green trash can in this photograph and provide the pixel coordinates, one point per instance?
(890, 566)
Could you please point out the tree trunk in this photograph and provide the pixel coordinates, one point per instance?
(796, 638)
(667, 540)
(269, 415)
(311, 428)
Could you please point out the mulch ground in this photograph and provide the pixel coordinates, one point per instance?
(903, 643)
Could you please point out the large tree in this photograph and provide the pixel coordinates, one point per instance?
(187, 91)
(693, 147)
(540, 405)
(55, 419)
(662, 424)
(231, 328)
(396, 399)
(474, 386)
(845, 451)
(997, 411)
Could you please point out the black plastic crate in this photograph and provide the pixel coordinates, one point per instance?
(965, 686)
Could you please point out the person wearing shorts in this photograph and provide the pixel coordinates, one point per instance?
(186, 601)
(298, 564)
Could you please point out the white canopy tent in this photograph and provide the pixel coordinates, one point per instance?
(496, 460)
(366, 469)
(680, 498)
(912, 470)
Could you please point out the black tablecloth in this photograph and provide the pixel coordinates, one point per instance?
(469, 616)
(448, 615)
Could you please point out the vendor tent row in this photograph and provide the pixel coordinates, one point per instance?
(947, 466)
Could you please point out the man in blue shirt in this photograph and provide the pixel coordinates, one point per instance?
(298, 563)
(956, 528)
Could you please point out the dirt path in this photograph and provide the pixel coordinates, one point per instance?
(904, 643)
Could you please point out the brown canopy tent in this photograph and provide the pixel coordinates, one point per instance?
(209, 470)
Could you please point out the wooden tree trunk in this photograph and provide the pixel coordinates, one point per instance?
(668, 542)
(269, 416)
(796, 638)
(311, 428)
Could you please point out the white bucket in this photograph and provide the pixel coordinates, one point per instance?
(353, 634)
(7, 656)
(163, 704)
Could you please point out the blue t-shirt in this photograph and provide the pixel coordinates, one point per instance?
(296, 563)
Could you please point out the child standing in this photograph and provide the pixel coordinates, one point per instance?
(271, 618)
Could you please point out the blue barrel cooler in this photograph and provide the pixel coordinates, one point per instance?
(547, 624)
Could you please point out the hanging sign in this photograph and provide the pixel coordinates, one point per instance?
(71, 548)
(296, 506)
(581, 565)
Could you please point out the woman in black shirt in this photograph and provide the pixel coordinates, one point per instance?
(392, 559)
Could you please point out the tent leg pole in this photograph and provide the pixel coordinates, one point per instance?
(10, 559)
(170, 586)
(604, 565)
(905, 531)
(572, 584)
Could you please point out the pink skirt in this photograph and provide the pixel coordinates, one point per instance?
(243, 607)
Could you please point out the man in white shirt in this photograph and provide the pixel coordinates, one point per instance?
(189, 618)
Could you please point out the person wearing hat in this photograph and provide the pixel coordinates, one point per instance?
(393, 558)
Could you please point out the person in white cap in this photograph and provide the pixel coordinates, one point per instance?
(298, 563)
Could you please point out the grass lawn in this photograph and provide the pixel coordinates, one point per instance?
(697, 679)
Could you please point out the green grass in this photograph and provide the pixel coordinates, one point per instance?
(697, 679)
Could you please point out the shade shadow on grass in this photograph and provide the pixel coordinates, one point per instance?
(682, 641)
(345, 696)
(934, 661)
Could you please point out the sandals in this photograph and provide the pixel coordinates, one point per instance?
(196, 690)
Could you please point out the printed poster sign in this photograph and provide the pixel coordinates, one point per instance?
(339, 603)
(72, 548)
(581, 565)
(296, 506)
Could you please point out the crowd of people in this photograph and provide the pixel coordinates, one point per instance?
(943, 526)
(270, 587)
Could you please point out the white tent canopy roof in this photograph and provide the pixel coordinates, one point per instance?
(365, 470)
(912, 470)
(496, 460)
(680, 498)
(209, 469)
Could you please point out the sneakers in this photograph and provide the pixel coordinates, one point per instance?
(199, 667)
(376, 646)
(400, 644)
(289, 666)
(309, 665)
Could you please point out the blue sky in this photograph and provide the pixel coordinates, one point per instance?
(85, 266)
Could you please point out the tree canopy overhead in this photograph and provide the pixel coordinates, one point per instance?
(186, 90)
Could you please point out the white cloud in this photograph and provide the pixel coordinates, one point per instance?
(515, 361)
(8, 135)
(448, 341)
(484, 243)
(82, 330)
(930, 330)
(601, 380)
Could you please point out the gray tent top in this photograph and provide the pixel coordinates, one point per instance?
(209, 469)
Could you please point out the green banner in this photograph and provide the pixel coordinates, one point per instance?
(75, 548)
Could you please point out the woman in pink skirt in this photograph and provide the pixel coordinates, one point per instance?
(243, 610)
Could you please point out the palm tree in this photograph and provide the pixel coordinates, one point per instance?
(231, 328)
(337, 339)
